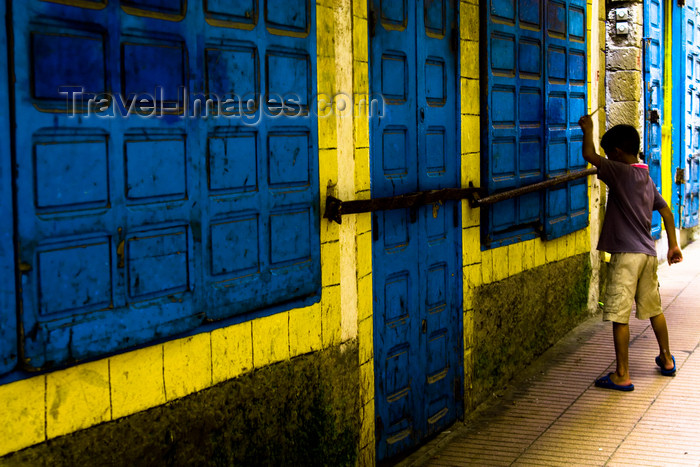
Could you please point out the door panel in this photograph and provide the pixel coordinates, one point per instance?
(566, 71)
(416, 252)
(439, 237)
(513, 124)
(137, 227)
(396, 279)
(653, 95)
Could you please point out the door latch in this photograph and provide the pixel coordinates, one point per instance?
(654, 116)
(680, 176)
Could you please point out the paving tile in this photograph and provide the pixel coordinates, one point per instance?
(501, 444)
(563, 458)
(485, 458)
(522, 463)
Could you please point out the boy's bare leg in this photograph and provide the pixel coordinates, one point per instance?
(621, 337)
(658, 324)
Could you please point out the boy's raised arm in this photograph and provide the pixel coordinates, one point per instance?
(674, 251)
(586, 124)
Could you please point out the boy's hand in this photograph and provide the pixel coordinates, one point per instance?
(588, 149)
(586, 123)
(674, 255)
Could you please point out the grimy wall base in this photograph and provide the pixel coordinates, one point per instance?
(518, 318)
(291, 413)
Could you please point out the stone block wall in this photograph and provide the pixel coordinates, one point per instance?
(624, 66)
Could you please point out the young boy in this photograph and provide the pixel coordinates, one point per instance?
(626, 235)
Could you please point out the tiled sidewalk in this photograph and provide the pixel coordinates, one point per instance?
(553, 415)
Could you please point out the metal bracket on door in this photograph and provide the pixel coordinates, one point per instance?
(654, 116)
(680, 176)
(336, 208)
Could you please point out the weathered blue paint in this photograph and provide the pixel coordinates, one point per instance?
(534, 91)
(687, 35)
(654, 95)
(140, 228)
(416, 253)
(8, 310)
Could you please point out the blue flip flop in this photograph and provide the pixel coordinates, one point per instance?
(664, 371)
(606, 383)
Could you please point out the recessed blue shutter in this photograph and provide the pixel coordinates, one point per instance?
(138, 228)
(8, 311)
(566, 206)
(513, 121)
(535, 85)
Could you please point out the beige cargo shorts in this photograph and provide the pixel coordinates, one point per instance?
(631, 276)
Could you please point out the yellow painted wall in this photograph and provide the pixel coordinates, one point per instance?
(60, 402)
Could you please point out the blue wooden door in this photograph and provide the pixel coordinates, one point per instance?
(416, 252)
(688, 192)
(8, 311)
(653, 95)
(533, 94)
(147, 216)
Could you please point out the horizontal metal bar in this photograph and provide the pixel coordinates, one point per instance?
(478, 202)
(336, 208)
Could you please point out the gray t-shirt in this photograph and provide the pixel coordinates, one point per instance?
(631, 200)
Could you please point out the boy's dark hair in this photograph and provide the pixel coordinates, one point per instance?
(623, 137)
